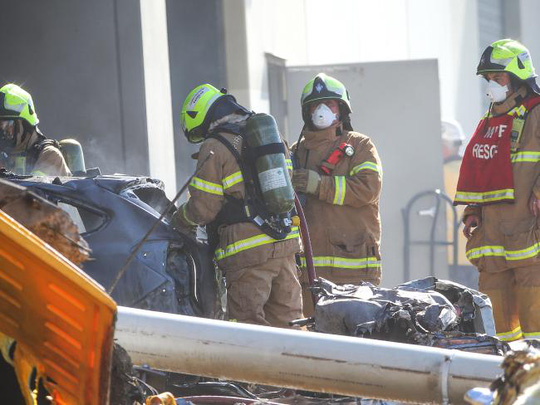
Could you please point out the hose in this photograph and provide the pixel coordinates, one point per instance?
(308, 252)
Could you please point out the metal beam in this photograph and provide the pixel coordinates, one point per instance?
(302, 360)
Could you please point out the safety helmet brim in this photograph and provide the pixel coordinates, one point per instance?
(508, 56)
(196, 111)
(17, 103)
(324, 87)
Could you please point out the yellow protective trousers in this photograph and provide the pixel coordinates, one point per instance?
(515, 296)
(266, 294)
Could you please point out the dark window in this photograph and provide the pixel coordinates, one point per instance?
(86, 220)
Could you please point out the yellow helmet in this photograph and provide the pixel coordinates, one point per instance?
(17, 103)
(324, 87)
(510, 56)
(195, 117)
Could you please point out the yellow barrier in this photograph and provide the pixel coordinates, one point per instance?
(62, 320)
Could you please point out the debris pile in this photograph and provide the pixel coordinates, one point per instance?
(428, 312)
(45, 220)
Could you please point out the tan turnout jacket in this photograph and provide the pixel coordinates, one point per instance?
(509, 235)
(50, 161)
(344, 222)
(243, 244)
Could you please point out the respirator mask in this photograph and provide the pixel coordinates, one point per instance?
(496, 92)
(322, 117)
(8, 135)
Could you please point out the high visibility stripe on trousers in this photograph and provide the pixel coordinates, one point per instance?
(344, 262)
(510, 336)
(500, 251)
(250, 243)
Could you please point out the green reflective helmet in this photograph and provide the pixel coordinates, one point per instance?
(17, 103)
(195, 115)
(507, 55)
(324, 87)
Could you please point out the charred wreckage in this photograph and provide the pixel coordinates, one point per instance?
(173, 272)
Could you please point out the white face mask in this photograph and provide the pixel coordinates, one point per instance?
(322, 117)
(496, 92)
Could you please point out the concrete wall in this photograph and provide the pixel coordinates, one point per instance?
(197, 56)
(82, 62)
(96, 74)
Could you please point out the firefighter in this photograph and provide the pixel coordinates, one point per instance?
(340, 173)
(24, 149)
(260, 271)
(499, 182)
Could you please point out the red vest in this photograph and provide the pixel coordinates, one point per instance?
(485, 176)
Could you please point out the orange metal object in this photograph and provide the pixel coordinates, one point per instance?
(165, 398)
(60, 318)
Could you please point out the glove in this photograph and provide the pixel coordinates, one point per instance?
(534, 205)
(180, 222)
(472, 221)
(306, 181)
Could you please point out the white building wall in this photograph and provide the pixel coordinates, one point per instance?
(313, 32)
(530, 29)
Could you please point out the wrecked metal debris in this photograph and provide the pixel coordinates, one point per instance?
(428, 312)
(45, 220)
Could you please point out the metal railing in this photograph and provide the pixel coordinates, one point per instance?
(432, 242)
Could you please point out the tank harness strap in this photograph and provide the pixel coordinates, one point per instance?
(248, 210)
(270, 149)
(229, 146)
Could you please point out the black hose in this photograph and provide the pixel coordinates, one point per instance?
(308, 251)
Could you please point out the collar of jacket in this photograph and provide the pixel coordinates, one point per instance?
(316, 139)
(511, 102)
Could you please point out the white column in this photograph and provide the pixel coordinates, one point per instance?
(303, 360)
(157, 84)
(236, 51)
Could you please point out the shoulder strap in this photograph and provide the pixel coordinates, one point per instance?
(252, 208)
(229, 146)
(269, 149)
(34, 152)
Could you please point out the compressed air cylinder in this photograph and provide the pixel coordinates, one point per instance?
(271, 169)
(73, 153)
